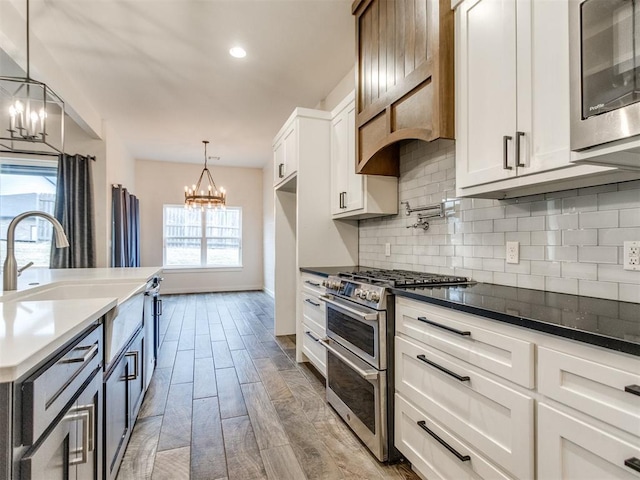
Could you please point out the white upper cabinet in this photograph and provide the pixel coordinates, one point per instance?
(512, 100)
(285, 153)
(355, 196)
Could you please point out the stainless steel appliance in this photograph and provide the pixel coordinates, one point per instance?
(605, 71)
(359, 343)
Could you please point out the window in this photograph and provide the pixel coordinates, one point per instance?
(202, 237)
(27, 185)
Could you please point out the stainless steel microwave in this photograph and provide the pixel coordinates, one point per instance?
(605, 71)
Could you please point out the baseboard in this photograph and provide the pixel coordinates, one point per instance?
(206, 289)
(271, 293)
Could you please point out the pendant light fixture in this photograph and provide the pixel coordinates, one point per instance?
(209, 195)
(31, 114)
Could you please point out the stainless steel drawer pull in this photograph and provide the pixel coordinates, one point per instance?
(462, 458)
(633, 389)
(159, 307)
(91, 351)
(444, 327)
(86, 415)
(633, 463)
(310, 335)
(460, 378)
(135, 354)
(315, 284)
(312, 302)
(505, 155)
(281, 170)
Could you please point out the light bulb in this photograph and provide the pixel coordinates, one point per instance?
(186, 189)
(12, 111)
(19, 106)
(42, 114)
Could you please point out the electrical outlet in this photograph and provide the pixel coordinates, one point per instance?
(513, 252)
(631, 256)
(387, 249)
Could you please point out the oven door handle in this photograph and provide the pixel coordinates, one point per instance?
(352, 311)
(366, 374)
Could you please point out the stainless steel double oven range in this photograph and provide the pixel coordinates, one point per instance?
(360, 329)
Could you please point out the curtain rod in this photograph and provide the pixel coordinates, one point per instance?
(43, 154)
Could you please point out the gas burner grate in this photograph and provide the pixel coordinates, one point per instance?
(405, 278)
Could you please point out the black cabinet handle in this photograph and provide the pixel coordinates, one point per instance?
(444, 327)
(312, 283)
(312, 302)
(633, 463)
(633, 389)
(518, 136)
(460, 378)
(505, 156)
(281, 170)
(462, 458)
(342, 202)
(311, 336)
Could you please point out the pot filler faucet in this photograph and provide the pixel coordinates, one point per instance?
(10, 274)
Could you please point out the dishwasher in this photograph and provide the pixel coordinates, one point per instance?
(151, 321)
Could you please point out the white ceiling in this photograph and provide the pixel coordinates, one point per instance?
(160, 73)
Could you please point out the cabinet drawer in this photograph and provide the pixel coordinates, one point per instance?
(491, 417)
(429, 455)
(47, 391)
(570, 449)
(458, 334)
(313, 311)
(594, 388)
(312, 284)
(314, 349)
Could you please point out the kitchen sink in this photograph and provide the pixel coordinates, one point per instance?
(121, 291)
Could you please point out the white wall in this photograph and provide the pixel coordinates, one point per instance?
(268, 241)
(160, 183)
(341, 90)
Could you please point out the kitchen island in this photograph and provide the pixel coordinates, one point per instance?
(72, 348)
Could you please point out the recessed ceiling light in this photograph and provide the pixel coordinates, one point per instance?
(238, 52)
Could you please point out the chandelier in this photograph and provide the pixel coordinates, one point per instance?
(198, 196)
(33, 113)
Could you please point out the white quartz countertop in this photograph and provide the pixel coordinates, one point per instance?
(50, 307)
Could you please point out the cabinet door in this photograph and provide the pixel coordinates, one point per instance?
(89, 432)
(339, 161)
(571, 449)
(355, 183)
(485, 91)
(116, 411)
(135, 367)
(290, 140)
(278, 162)
(543, 85)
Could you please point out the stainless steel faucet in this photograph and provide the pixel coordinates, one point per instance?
(10, 274)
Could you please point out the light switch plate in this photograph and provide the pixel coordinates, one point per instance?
(513, 252)
(631, 256)
(387, 249)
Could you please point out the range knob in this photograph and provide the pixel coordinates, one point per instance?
(363, 294)
(325, 283)
(370, 294)
(357, 292)
(375, 297)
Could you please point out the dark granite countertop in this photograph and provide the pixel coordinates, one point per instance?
(326, 271)
(606, 323)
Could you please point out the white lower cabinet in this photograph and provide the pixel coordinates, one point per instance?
(490, 416)
(434, 451)
(574, 449)
(313, 321)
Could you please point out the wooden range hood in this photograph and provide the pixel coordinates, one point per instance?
(404, 84)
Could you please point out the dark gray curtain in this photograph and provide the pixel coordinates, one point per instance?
(125, 237)
(75, 211)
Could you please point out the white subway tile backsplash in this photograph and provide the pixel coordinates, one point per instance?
(630, 217)
(590, 288)
(580, 237)
(562, 222)
(598, 254)
(603, 219)
(570, 241)
(629, 292)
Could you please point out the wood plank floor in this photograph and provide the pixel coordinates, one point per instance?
(228, 401)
